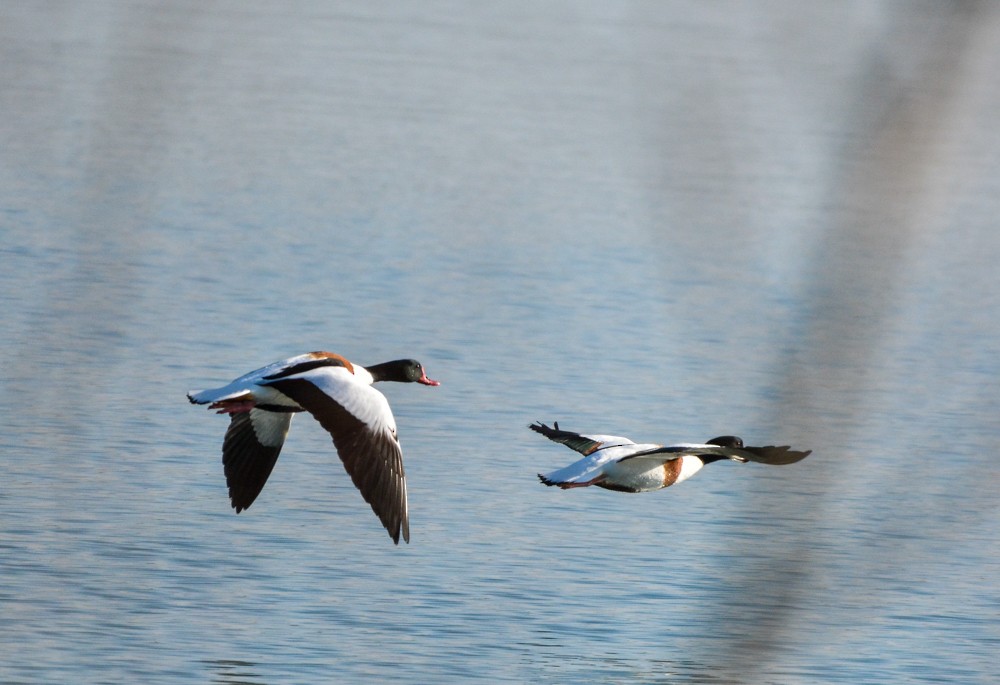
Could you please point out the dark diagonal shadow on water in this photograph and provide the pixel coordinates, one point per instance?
(882, 198)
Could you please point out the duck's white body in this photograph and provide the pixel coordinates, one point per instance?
(648, 474)
(623, 466)
(340, 396)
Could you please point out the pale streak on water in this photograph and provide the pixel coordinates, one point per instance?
(662, 220)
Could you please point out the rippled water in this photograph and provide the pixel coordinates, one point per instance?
(667, 221)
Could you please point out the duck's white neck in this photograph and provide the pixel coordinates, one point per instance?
(690, 465)
(363, 374)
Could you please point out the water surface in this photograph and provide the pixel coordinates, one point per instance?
(662, 221)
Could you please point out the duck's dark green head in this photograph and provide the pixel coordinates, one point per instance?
(401, 371)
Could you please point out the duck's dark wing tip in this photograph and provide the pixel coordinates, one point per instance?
(574, 441)
(780, 455)
(552, 433)
(401, 530)
(547, 481)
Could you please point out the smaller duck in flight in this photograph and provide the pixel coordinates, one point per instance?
(617, 463)
(340, 396)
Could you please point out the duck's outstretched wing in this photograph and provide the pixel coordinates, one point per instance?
(249, 451)
(360, 421)
(775, 456)
(584, 444)
(666, 452)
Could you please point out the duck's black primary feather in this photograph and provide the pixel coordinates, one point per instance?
(574, 441)
(246, 459)
(775, 456)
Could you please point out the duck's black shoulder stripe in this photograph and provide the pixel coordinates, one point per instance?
(302, 367)
(278, 408)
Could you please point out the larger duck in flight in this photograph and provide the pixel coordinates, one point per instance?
(340, 396)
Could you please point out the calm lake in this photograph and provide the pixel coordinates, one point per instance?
(667, 221)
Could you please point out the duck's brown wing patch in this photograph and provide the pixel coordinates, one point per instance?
(370, 453)
(249, 452)
(776, 456)
(339, 359)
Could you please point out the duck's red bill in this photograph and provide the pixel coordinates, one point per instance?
(427, 381)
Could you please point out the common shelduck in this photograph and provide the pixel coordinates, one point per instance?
(619, 464)
(340, 396)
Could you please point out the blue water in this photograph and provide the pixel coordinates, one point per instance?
(665, 221)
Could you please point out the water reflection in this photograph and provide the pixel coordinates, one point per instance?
(234, 672)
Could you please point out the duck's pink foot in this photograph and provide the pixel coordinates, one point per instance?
(232, 406)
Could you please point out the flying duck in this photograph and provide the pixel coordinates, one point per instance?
(619, 464)
(340, 396)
